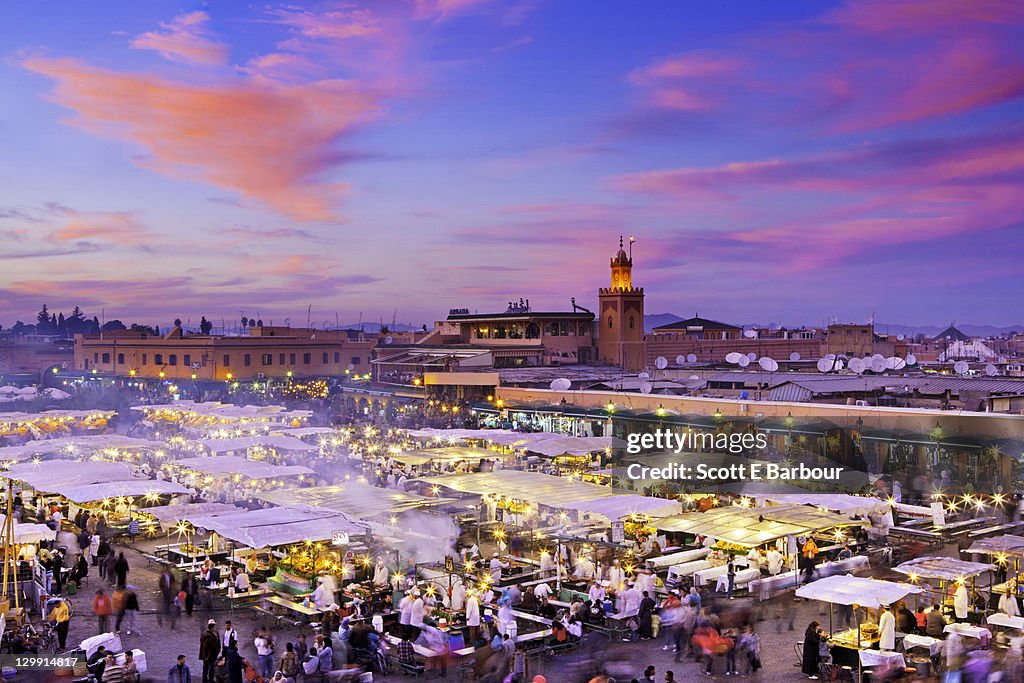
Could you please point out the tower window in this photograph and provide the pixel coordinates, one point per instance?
(632, 322)
(609, 322)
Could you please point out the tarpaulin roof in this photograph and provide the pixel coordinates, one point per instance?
(998, 545)
(169, 515)
(619, 506)
(533, 487)
(230, 464)
(751, 527)
(277, 526)
(76, 445)
(241, 443)
(355, 499)
(838, 502)
(854, 590)
(30, 533)
(945, 568)
(88, 493)
(446, 454)
(45, 476)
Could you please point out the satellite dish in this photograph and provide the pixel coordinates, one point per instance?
(877, 365)
(794, 356)
(752, 356)
(694, 377)
(895, 363)
(830, 357)
(644, 375)
(900, 337)
(661, 362)
(732, 357)
(555, 385)
(911, 359)
(878, 356)
(824, 365)
(646, 387)
(991, 370)
(857, 365)
(750, 334)
(691, 358)
(961, 367)
(388, 339)
(680, 359)
(768, 364)
(743, 361)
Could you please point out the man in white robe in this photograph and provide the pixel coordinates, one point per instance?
(887, 629)
(380, 574)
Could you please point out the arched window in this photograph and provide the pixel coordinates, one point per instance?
(609, 322)
(632, 322)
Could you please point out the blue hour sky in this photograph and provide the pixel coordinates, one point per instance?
(784, 161)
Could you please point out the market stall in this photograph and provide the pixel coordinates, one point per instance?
(359, 500)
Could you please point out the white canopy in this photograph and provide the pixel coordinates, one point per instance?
(53, 474)
(226, 412)
(998, 545)
(230, 464)
(855, 590)
(130, 488)
(532, 487)
(619, 506)
(944, 568)
(169, 515)
(842, 503)
(277, 526)
(302, 431)
(751, 527)
(30, 533)
(241, 443)
(352, 498)
(544, 443)
(81, 446)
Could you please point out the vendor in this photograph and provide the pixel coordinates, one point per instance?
(1008, 604)
(496, 566)
(380, 574)
(887, 629)
(961, 602)
(775, 561)
(754, 558)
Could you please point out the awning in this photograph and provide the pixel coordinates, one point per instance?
(277, 526)
(129, 488)
(532, 487)
(358, 500)
(944, 568)
(50, 475)
(280, 443)
(618, 507)
(998, 545)
(251, 469)
(854, 590)
(751, 527)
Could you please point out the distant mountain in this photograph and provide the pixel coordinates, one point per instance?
(932, 330)
(660, 319)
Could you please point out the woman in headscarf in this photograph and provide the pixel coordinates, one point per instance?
(812, 643)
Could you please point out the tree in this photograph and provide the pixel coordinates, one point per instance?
(94, 326)
(113, 326)
(43, 321)
(177, 322)
(245, 322)
(259, 323)
(146, 329)
(205, 326)
(62, 326)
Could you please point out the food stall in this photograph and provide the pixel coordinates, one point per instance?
(856, 647)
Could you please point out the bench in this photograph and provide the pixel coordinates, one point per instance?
(977, 533)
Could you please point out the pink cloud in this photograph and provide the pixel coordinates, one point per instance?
(445, 9)
(332, 24)
(185, 39)
(117, 227)
(694, 65)
(918, 15)
(268, 140)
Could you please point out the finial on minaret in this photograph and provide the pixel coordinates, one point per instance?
(620, 241)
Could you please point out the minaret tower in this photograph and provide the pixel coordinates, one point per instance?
(621, 323)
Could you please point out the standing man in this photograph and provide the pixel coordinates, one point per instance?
(229, 634)
(473, 618)
(730, 570)
(265, 653)
(121, 570)
(179, 673)
(209, 648)
(61, 615)
(102, 607)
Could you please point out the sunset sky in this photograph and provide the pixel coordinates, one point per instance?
(784, 161)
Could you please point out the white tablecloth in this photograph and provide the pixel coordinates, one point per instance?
(879, 657)
(979, 632)
(912, 640)
(767, 586)
(743, 577)
(673, 559)
(1006, 621)
(687, 568)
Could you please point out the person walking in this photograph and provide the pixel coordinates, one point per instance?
(121, 570)
(109, 565)
(131, 611)
(103, 608)
(179, 672)
(61, 616)
(290, 664)
(117, 602)
(645, 616)
(209, 648)
(812, 651)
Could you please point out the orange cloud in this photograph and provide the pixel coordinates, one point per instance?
(268, 140)
(185, 39)
(114, 227)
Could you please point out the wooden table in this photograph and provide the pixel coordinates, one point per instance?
(296, 607)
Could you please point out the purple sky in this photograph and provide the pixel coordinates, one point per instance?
(784, 161)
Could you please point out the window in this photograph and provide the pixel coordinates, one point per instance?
(268, 359)
(280, 359)
(307, 358)
(532, 331)
(227, 361)
(337, 357)
(326, 356)
(96, 357)
(247, 360)
(187, 359)
(355, 360)
(291, 358)
(145, 358)
(609, 322)
(106, 358)
(158, 359)
(120, 359)
(172, 359)
(632, 322)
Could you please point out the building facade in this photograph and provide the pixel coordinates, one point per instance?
(265, 352)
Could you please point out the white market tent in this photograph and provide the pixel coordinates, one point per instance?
(277, 526)
(842, 503)
(620, 506)
(531, 487)
(30, 533)
(751, 527)
(352, 498)
(170, 515)
(242, 443)
(81, 446)
(47, 476)
(226, 412)
(943, 568)
(854, 590)
(303, 431)
(129, 488)
(544, 443)
(230, 464)
(998, 545)
(445, 454)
